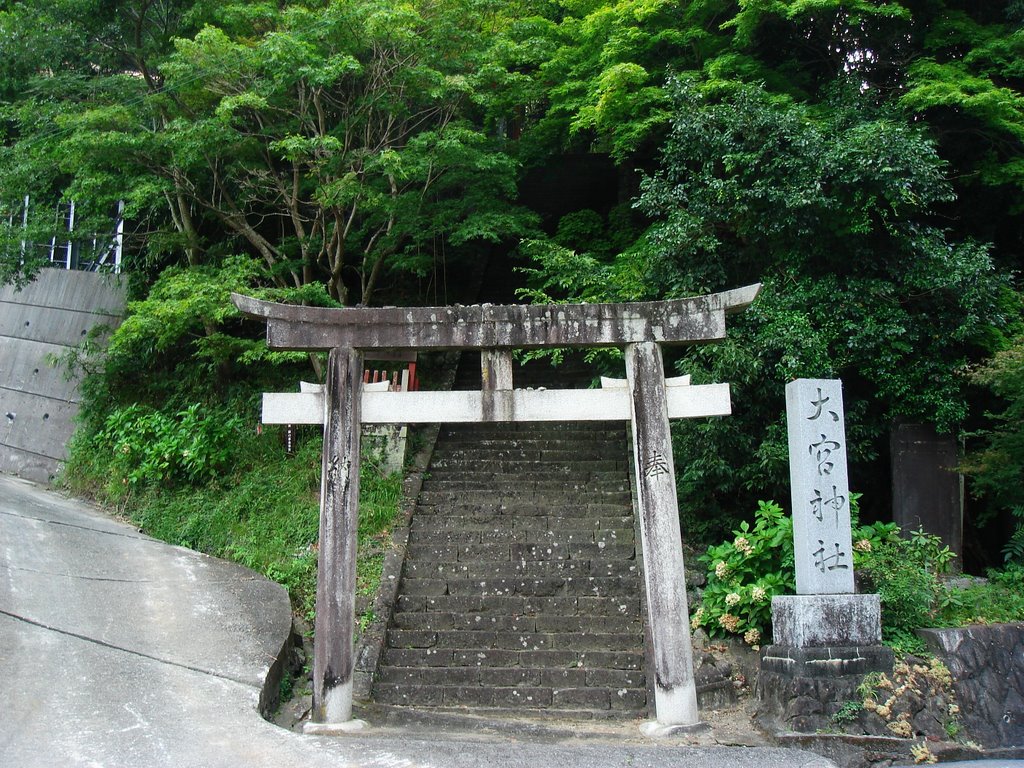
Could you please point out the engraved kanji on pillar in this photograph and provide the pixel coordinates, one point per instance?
(820, 487)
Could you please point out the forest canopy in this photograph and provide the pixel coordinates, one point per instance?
(862, 159)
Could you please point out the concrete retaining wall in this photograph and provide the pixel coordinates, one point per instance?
(38, 324)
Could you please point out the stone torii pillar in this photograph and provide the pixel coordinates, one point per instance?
(496, 330)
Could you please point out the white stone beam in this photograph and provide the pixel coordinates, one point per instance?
(684, 402)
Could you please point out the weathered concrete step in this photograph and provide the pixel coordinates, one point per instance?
(511, 676)
(564, 550)
(560, 453)
(566, 658)
(436, 621)
(486, 639)
(534, 697)
(571, 533)
(508, 486)
(536, 445)
(456, 716)
(530, 430)
(489, 467)
(504, 522)
(582, 511)
(486, 470)
(568, 493)
(522, 605)
(539, 558)
(520, 508)
(553, 480)
(596, 586)
(522, 569)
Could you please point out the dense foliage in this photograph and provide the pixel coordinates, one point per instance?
(747, 571)
(862, 160)
(335, 143)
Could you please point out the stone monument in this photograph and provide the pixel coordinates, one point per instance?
(826, 637)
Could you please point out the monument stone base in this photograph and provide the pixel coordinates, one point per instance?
(824, 646)
(801, 689)
(821, 621)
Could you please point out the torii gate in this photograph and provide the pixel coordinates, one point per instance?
(496, 330)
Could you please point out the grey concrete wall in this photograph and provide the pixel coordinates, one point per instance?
(38, 404)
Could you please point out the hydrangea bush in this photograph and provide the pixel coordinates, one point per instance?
(744, 574)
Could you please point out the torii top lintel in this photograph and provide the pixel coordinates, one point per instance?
(495, 326)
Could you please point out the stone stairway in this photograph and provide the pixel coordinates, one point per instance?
(521, 587)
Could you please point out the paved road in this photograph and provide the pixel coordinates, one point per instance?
(119, 651)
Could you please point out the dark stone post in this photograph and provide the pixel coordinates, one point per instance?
(926, 485)
(675, 694)
(333, 655)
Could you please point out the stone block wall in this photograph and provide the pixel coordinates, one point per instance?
(987, 665)
(38, 325)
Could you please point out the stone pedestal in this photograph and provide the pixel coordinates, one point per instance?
(822, 621)
(800, 689)
(824, 646)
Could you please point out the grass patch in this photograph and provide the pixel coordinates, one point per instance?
(262, 513)
(998, 600)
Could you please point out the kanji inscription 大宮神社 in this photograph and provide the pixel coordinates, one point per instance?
(820, 487)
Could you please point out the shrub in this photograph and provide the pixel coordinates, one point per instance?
(744, 574)
(906, 575)
(145, 446)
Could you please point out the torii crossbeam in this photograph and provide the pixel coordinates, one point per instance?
(496, 330)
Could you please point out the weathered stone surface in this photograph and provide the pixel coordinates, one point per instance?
(520, 606)
(581, 698)
(675, 693)
(816, 621)
(926, 487)
(987, 664)
(799, 689)
(487, 326)
(333, 657)
(38, 401)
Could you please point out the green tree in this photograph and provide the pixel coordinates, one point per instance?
(831, 209)
(340, 142)
(997, 466)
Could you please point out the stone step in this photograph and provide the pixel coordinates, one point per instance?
(510, 676)
(440, 549)
(437, 621)
(489, 471)
(567, 494)
(520, 605)
(556, 550)
(553, 586)
(521, 510)
(491, 522)
(565, 658)
(569, 453)
(522, 569)
(571, 533)
(530, 429)
(626, 700)
(508, 486)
